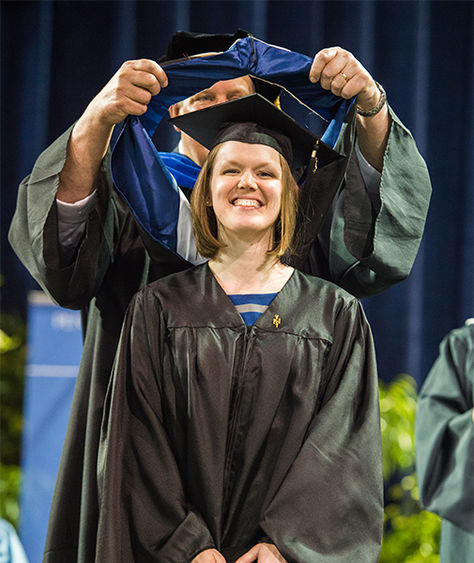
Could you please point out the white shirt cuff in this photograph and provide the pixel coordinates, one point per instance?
(75, 212)
(72, 219)
(371, 177)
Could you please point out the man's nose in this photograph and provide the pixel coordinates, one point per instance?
(220, 99)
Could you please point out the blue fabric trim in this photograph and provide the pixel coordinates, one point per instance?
(147, 185)
(250, 317)
(247, 56)
(255, 298)
(183, 169)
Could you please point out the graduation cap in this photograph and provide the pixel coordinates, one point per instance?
(184, 44)
(254, 120)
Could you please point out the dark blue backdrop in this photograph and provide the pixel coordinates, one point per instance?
(57, 55)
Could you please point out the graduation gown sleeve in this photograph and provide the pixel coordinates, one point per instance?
(369, 248)
(329, 506)
(144, 514)
(445, 433)
(34, 232)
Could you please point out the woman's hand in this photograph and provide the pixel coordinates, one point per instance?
(209, 556)
(262, 553)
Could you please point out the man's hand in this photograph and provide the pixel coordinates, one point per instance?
(209, 556)
(262, 553)
(340, 72)
(128, 92)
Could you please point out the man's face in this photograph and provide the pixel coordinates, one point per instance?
(218, 93)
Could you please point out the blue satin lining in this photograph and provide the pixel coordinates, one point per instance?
(184, 170)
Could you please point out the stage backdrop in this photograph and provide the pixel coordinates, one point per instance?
(54, 353)
(57, 55)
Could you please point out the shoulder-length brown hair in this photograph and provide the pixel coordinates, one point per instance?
(205, 222)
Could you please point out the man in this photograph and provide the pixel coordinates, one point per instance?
(101, 256)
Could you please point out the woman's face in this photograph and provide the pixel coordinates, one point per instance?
(246, 187)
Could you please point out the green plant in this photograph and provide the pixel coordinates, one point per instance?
(10, 476)
(12, 364)
(411, 535)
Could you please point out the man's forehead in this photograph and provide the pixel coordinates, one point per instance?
(234, 84)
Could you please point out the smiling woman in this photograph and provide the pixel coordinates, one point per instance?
(242, 423)
(246, 189)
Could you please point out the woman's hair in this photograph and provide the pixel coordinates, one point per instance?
(205, 222)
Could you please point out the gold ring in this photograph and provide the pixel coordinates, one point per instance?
(344, 75)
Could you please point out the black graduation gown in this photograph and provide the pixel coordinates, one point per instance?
(217, 435)
(445, 444)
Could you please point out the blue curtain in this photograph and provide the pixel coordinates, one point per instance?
(57, 55)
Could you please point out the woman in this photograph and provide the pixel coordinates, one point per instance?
(242, 419)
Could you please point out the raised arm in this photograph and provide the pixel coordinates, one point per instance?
(340, 72)
(373, 232)
(127, 93)
(69, 253)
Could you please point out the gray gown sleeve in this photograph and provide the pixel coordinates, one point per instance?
(371, 240)
(34, 231)
(445, 432)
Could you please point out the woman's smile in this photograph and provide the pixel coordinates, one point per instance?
(248, 203)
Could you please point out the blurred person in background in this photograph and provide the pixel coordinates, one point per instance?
(445, 443)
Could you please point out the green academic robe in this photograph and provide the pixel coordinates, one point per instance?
(368, 251)
(445, 444)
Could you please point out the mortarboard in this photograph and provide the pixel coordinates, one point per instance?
(184, 44)
(254, 120)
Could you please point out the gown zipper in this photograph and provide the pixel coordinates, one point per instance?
(236, 396)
